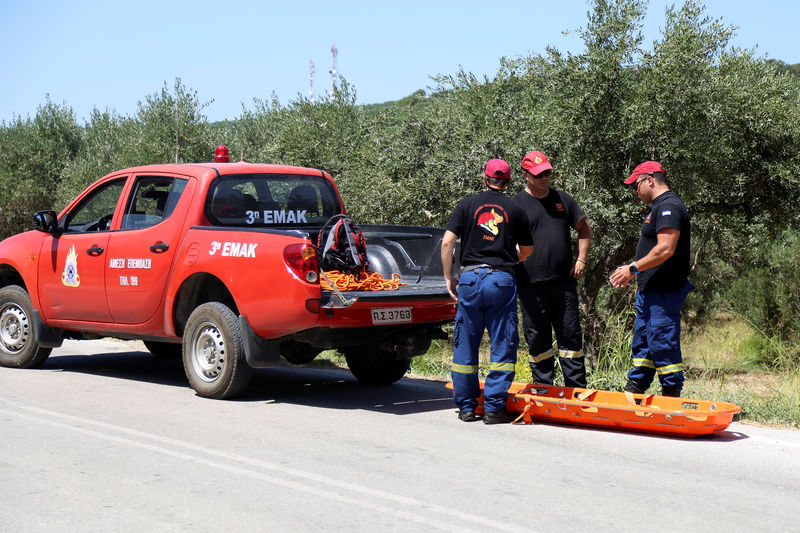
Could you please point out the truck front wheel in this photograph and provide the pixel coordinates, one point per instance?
(213, 353)
(19, 347)
(374, 366)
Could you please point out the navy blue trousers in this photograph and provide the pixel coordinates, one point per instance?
(486, 301)
(656, 342)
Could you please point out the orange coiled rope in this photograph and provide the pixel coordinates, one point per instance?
(364, 281)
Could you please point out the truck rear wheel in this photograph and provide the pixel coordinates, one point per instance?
(213, 353)
(19, 347)
(374, 366)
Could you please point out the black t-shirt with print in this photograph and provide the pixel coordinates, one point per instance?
(490, 225)
(552, 219)
(666, 211)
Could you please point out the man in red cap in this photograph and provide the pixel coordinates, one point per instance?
(495, 236)
(548, 282)
(662, 268)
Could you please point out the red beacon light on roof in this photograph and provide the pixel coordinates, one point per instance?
(221, 154)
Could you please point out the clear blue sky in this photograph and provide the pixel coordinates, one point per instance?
(111, 54)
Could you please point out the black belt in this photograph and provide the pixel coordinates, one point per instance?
(489, 268)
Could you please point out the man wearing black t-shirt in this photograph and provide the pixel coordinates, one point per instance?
(662, 266)
(548, 283)
(491, 227)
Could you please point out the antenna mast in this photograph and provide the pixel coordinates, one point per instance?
(311, 81)
(334, 73)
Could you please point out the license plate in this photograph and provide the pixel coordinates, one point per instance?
(391, 315)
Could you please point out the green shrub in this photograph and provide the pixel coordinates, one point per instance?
(765, 297)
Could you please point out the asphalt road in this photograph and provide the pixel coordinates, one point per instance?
(117, 441)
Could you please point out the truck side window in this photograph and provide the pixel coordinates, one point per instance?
(95, 212)
(153, 199)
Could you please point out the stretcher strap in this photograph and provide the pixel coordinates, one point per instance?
(527, 413)
(586, 395)
(629, 397)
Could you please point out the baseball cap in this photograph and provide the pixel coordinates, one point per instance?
(645, 168)
(498, 168)
(536, 162)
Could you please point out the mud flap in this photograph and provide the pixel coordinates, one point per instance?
(46, 336)
(259, 352)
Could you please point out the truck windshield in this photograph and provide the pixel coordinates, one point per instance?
(248, 200)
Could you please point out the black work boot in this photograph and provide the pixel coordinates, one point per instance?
(498, 417)
(634, 387)
(467, 416)
(674, 391)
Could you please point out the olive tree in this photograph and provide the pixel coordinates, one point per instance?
(110, 142)
(35, 152)
(171, 128)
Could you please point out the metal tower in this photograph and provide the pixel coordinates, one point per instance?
(334, 73)
(311, 81)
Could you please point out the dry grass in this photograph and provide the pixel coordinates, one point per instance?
(725, 360)
(716, 344)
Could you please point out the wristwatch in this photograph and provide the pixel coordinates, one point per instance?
(632, 268)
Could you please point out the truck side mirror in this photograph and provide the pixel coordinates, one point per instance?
(45, 221)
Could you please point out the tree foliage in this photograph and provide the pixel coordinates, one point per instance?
(724, 122)
(170, 127)
(32, 159)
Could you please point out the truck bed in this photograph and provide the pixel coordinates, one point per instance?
(412, 252)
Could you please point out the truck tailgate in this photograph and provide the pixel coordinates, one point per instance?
(434, 291)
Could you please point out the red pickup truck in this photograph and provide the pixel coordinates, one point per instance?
(217, 262)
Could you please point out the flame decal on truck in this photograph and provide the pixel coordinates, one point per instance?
(70, 277)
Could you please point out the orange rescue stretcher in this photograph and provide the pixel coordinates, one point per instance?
(647, 413)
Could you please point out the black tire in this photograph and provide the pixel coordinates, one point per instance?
(298, 353)
(213, 353)
(19, 347)
(164, 350)
(373, 366)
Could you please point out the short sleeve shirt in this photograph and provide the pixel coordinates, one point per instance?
(666, 211)
(490, 226)
(552, 219)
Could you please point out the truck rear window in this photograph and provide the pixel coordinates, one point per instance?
(272, 200)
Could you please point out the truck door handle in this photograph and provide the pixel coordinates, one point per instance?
(159, 248)
(95, 251)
